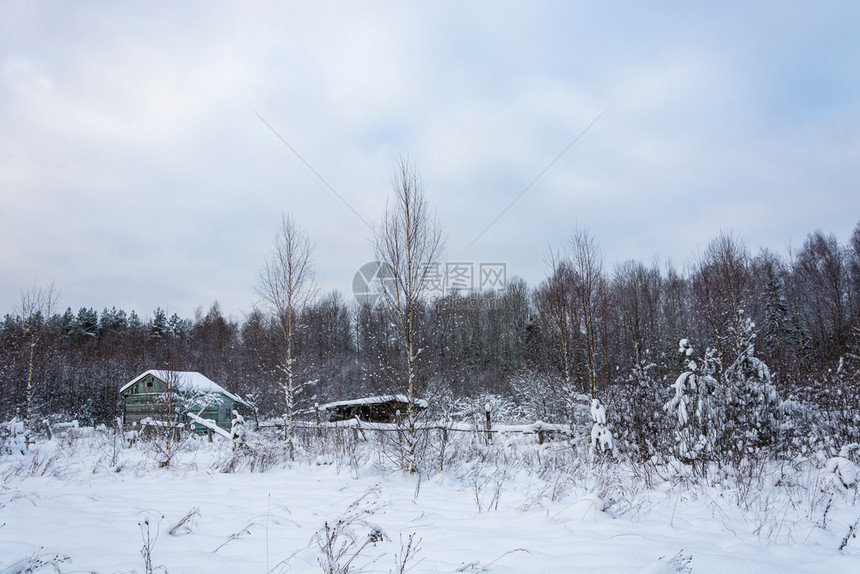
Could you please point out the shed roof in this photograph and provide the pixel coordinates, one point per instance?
(420, 403)
(187, 381)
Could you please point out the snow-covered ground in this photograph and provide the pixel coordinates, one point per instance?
(89, 502)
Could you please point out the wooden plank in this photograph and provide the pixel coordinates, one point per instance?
(209, 424)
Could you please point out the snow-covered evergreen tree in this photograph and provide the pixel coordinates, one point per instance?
(637, 405)
(12, 437)
(177, 326)
(68, 324)
(237, 431)
(730, 412)
(601, 437)
(88, 322)
(134, 321)
(158, 327)
(750, 401)
(696, 407)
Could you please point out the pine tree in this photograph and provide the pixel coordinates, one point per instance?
(751, 402)
(134, 321)
(68, 324)
(88, 322)
(237, 431)
(158, 327)
(696, 408)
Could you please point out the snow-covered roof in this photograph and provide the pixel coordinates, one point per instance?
(421, 403)
(189, 381)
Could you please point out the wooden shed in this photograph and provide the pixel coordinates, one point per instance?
(145, 397)
(382, 409)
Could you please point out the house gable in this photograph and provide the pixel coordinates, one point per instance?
(144, 384)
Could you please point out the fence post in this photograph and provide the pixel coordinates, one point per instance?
(489, 424)
(317, 411)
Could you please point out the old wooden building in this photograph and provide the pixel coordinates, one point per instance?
(180, 396)
(382, 409)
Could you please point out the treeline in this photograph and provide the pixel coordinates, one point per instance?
(610, 333)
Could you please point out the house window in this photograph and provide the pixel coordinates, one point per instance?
(148, 383)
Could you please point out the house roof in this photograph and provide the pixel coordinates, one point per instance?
(421, 403)
(190, 381)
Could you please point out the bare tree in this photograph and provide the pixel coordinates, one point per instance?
(408, 241)
(630, 284)
(587, 265)
(554, 300)
(165, 427)
(854, 268)
(593, 297)
(721, 283)
(287, 285)
(821, 269)
(570, 302)
(37, 306)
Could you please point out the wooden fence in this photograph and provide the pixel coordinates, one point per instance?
(543, 431)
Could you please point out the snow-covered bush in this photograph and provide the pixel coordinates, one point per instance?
(500, 408)
(635, 411)
(538, 395)
(12, 437)
(834, 402)
(840, 471)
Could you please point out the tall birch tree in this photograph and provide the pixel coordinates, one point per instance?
(37, 306)
(408, 241)
(287, 285)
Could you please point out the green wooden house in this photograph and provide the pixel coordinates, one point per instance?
(196, 397)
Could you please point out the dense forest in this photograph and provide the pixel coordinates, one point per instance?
(611, 334)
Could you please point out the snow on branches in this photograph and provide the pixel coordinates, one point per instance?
(695, 406)
(724, 412)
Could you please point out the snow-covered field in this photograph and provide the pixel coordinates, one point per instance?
(504, 511)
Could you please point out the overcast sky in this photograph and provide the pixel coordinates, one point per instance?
(135, 173)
